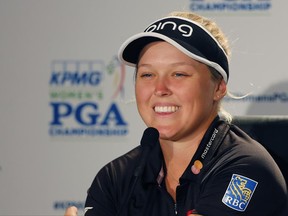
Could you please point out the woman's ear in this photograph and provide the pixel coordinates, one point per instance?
(220, 90)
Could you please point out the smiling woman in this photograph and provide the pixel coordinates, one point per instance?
(169, 79)
(201, 164)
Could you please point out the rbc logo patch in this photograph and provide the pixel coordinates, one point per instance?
(239, 192)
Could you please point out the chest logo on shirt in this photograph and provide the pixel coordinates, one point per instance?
(239, 192)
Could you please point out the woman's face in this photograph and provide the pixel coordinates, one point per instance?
(175, 93)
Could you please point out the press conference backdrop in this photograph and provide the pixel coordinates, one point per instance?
(67, 104)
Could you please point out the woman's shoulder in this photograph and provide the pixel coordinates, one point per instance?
(124, 163)
(238, 139)
(245, 154)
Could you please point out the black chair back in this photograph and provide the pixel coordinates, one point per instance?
(272, 133)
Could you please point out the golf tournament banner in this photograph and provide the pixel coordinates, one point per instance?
(68, 104)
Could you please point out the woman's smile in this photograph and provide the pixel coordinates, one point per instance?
(166, 109)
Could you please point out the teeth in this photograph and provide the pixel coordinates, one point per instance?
(166, 109)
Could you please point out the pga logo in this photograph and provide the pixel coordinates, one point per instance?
(85, 114)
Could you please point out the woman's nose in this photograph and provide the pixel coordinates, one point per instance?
(162, 87)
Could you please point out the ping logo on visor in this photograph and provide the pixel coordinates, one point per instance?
(239, 192)
(186, 35)
(183, 30)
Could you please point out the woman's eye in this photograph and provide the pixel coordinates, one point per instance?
(180, 74)
(146, 75)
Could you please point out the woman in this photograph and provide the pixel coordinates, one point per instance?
(202, 165)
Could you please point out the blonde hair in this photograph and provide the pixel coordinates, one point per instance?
(209, 25)
(217, 33)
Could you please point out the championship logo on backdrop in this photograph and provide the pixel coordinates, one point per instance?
(230, 5)
(83, 98)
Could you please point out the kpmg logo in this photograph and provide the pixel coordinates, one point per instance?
(82, 98)
(239, 192)
(231, 5)
(76, 73)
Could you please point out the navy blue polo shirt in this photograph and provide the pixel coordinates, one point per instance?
(238, 177)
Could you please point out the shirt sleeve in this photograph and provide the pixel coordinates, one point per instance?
(101, 198)
(111, 186)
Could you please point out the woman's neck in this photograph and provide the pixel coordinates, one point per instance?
(177, 157)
